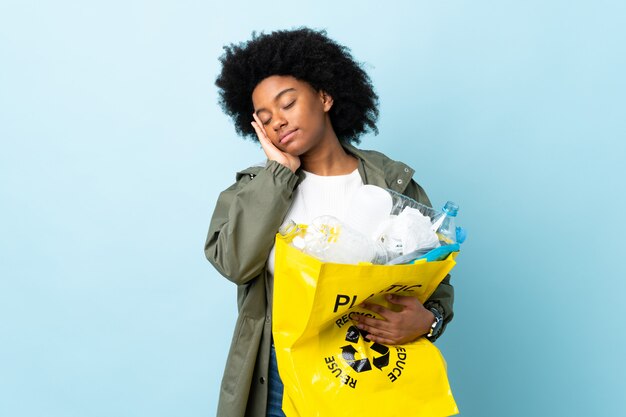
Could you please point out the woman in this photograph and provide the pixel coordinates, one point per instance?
(306, 100)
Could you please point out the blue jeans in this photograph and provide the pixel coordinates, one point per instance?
(275, 388)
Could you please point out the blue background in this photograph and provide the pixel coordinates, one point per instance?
(114, 150)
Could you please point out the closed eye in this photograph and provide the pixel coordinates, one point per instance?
(288, 106)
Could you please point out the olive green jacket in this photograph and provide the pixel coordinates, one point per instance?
(245, 221)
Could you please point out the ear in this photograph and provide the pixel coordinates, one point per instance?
(327, 100)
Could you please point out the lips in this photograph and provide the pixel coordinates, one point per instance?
(285, 136)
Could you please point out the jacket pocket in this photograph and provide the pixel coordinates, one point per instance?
(242, 356)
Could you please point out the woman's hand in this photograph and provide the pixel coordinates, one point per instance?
(396, 327)
(272, 152)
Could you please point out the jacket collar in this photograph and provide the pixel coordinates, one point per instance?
(374, 167)
(377, 169)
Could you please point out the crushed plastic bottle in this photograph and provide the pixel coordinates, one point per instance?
(330, 240)
(407, 232)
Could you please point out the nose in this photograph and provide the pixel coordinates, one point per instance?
(279, 122)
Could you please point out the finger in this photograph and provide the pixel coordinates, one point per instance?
(382, 340)
(373, 324)
(259, 124)
(268, 147)
(260, 129)
(260, 133)
(374, 330)
(378, 309)
(403, 300)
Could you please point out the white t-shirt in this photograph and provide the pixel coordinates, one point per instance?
(319, 195)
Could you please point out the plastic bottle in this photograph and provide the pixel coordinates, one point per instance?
(444, 225)
(290, 229)
(330, 240)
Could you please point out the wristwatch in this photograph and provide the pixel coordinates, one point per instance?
(435, 328)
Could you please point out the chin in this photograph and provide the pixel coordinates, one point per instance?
(293, 149)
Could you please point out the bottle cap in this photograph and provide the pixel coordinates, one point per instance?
(451, 209)
(287, 228)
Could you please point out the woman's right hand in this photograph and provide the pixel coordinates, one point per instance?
(271, 151)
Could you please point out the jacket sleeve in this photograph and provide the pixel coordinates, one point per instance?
(246, 218)
(443, 297)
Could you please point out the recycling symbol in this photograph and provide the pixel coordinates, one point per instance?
(348, 352)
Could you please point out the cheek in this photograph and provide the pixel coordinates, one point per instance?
(313, 116)
(316, 122)
(273, 136)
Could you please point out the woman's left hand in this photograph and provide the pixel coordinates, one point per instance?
(396, 327)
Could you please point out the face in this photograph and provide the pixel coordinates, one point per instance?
(294, 114)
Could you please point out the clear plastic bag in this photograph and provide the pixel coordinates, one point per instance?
(384, 227)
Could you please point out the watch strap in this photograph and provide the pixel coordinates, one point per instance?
(435, 328)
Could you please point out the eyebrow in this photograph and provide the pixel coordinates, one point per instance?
(286, 90)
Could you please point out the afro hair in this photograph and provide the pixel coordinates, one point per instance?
(306, 55)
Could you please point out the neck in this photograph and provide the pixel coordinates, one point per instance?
(328, 158)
